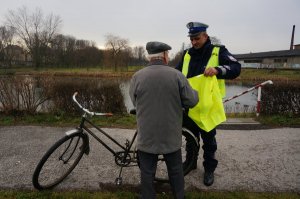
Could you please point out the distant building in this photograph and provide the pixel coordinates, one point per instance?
(15, 55)
(272, 59)
(297, 46)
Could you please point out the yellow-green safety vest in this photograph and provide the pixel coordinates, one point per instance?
(209, 112)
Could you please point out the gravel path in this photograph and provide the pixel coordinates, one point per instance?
(250, 160)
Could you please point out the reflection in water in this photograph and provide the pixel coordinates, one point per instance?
(124, 86)
(243, 104)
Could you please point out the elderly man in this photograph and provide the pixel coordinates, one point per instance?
(159, 93)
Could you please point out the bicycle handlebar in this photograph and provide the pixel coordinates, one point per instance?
(86, 110)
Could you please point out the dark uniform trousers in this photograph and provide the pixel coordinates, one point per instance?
(148, 165)
(209, 144)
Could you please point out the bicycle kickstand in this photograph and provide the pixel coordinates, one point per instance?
(119, 179)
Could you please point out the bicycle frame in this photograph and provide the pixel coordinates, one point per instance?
(126, 148)
(118, 154)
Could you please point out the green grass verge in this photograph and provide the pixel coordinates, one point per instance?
(272, 74)
(132, 195)
(62, 119)
(279, 120)
(70, 71)
(247, 74)
(125, 120)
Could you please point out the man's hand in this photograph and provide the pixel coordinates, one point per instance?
(210, 71)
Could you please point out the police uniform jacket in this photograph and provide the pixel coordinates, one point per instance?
(229, 67)
(159, 93)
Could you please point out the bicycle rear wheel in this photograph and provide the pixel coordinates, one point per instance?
(187, 138)
(59, 161)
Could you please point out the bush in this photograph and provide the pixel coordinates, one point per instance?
(22, 94)
(281, 98)
(27, 94)
(96, 95)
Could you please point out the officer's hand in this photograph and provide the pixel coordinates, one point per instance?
(210, 71)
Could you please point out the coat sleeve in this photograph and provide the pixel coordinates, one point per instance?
(229, 67)
(189, 97)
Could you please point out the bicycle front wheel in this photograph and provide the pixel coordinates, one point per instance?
(59, 161)
(191, 151)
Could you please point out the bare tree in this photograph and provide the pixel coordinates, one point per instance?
(35, 30)
(115, 45)
(178, 56)
(6, 42)
(139, 55)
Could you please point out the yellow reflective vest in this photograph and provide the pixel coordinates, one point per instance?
(209, 112)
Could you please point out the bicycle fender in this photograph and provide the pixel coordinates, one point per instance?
(190, 133)
(84, 136)
(87, 148)
(73, 131)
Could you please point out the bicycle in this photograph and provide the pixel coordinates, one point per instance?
(59, 161)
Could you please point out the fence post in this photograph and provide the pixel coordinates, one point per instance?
(258, 101)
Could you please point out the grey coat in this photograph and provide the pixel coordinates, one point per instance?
(159, 93)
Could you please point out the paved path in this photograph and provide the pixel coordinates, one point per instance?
(250, 160)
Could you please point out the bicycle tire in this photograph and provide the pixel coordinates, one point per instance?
(50, 170)
(187, 137)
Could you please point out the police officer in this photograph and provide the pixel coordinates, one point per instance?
(159, 93)
(195, 62)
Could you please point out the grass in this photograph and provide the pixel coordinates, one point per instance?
(133, 195)
(125, 120)
(250, 74)
(247, 74)
(279, 120)
(57, 71)
(62, 119)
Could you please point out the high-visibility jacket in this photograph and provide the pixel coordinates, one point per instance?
(209, 112)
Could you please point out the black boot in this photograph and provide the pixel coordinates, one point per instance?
(208, 178)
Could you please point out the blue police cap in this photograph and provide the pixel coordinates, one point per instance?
(154, 47)
(195, 28)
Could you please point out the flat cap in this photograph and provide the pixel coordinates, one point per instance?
(154, 47)
(195, 28)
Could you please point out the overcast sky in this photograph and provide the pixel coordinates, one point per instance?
(243, 26)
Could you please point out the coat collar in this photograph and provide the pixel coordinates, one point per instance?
(156, 62)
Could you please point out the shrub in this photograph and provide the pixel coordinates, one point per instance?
(22, 93)
(281, 98)
(27, 94)
(96, 95)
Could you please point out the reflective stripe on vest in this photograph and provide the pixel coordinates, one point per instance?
(214, 61)
(209, 112)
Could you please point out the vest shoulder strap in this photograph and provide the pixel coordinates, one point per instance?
(214, 58)
(186, 62)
